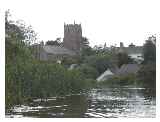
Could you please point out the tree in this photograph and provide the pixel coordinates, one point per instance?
(85, 42)
(87, 51)
(88, 71)
(50, 42)
(99, 49)
(147, 75)
(18, 56)
(99, 61)
(57, 42)
(123, 58)
(147, 72)
(149, 52)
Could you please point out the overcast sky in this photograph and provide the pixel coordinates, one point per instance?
(109, 21)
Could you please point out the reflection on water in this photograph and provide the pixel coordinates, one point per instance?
(108, 102)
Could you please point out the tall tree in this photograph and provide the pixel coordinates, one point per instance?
(86, 50)
(18, 56)
(147, 72)
(149, 51)
(123, 58)
(57, 42)
(85, 42)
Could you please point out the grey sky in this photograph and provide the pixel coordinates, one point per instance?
(109, 21)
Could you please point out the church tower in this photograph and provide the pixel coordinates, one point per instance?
(72, 36)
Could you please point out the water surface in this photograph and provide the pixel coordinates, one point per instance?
(107, 103)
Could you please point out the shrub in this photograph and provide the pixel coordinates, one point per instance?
(89, 72)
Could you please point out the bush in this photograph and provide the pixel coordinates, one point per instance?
(147, 75)
(90, 83)
(88, 71)
(99, 62)
(41, 79)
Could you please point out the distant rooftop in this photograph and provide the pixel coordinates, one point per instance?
(57, 50)
(127, 69)
(131, 50)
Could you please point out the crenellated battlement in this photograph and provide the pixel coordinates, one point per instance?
(72, 28)
(72, 36)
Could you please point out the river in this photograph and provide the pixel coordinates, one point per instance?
(130, 102)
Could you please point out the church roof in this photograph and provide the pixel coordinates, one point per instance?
(58, 50)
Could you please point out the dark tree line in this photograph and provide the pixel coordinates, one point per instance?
(147, 73)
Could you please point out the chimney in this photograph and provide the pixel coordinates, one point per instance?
(121, 44)
(131, 45)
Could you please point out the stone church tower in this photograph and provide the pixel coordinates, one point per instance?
(72, 37)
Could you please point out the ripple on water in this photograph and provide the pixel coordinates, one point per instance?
(99, 103)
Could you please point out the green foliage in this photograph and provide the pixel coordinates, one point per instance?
(57, 42)
(149, 52)
(123, 58)
(90, 83)
(67, 61)
(84, 42)
(53, 79)
(41, 79)
(88, 71)
(100, 62)
(87, 51)
(147, 74)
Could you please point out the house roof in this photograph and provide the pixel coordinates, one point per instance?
(130, 50)
(128, 68)
(133, 50)
(125, 69)
(57, 50)
(105, 75)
